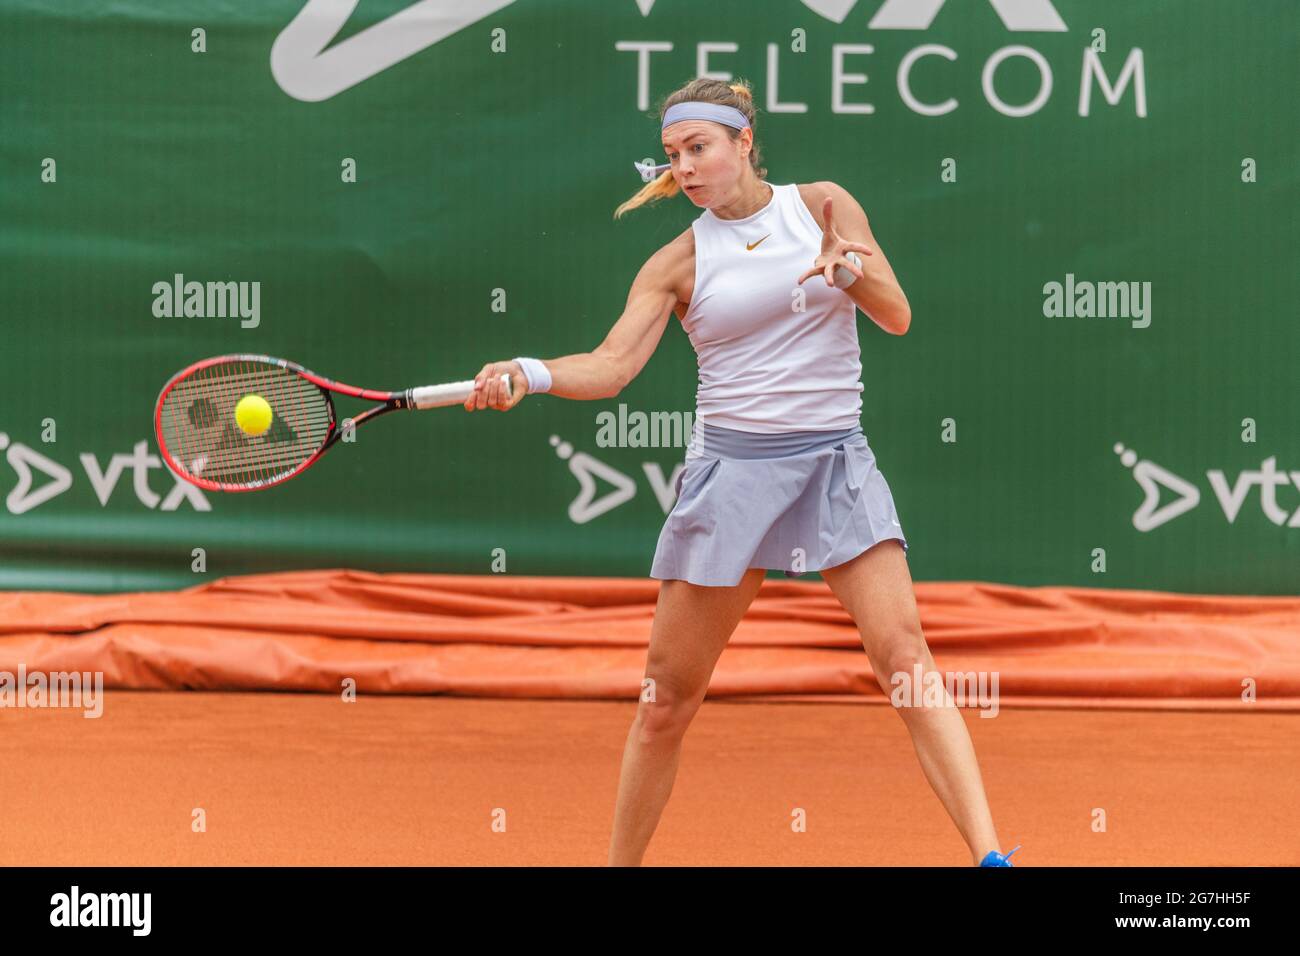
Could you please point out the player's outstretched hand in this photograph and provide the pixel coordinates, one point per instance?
(834, 246)
(490, 392)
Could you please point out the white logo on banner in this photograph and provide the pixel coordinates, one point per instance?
(22, 460)
(1018, 15)
(587, 469)
(307, 71)
(26, 494)
(1152, 477)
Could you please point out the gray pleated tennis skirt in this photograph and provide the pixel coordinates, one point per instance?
(790, 501)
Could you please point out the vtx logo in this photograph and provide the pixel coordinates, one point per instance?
(1038, 16)
(1152, 477)
(304, 69)
(587, 469)
(307, 71)
(27, 494)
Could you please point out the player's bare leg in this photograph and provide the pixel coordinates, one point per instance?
(876, 589)
(692, 625)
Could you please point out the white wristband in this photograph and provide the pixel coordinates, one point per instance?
(843, 277)
(536, 373)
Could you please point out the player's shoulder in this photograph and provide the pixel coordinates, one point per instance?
(814, 196)
(675, 252)
(669, 265)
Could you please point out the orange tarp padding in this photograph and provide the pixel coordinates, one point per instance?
(511, 636)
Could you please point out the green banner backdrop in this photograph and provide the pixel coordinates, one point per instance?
(1091, 207)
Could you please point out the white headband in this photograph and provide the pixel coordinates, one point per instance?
(692, 110)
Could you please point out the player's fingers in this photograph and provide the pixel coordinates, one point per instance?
(480, 389)
(497, 394)
(848, 264)
(472, 401)
(508, 390)
(859, 247)
(829, 271)
(518, 386)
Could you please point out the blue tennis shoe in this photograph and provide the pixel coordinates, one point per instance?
(994, 858)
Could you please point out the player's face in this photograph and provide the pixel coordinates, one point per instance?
(706, 162)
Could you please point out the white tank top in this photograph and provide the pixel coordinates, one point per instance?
(763, 366)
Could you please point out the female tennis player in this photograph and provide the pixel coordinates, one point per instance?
(778, 473)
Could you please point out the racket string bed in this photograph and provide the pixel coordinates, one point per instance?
(198, 419)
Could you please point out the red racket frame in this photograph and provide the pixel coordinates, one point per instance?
(392, 402)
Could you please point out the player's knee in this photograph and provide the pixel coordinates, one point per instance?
(665, 718)
(905, 658)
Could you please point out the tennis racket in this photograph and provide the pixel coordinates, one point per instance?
(203, 443)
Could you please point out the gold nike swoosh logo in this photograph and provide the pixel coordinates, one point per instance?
(749, 246)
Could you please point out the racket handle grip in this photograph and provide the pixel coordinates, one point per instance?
(451, 393)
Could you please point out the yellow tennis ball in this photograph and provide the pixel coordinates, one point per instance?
(253, 414)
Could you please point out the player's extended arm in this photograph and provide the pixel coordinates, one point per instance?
(607, 370)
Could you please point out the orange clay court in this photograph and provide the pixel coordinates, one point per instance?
(486, 698)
